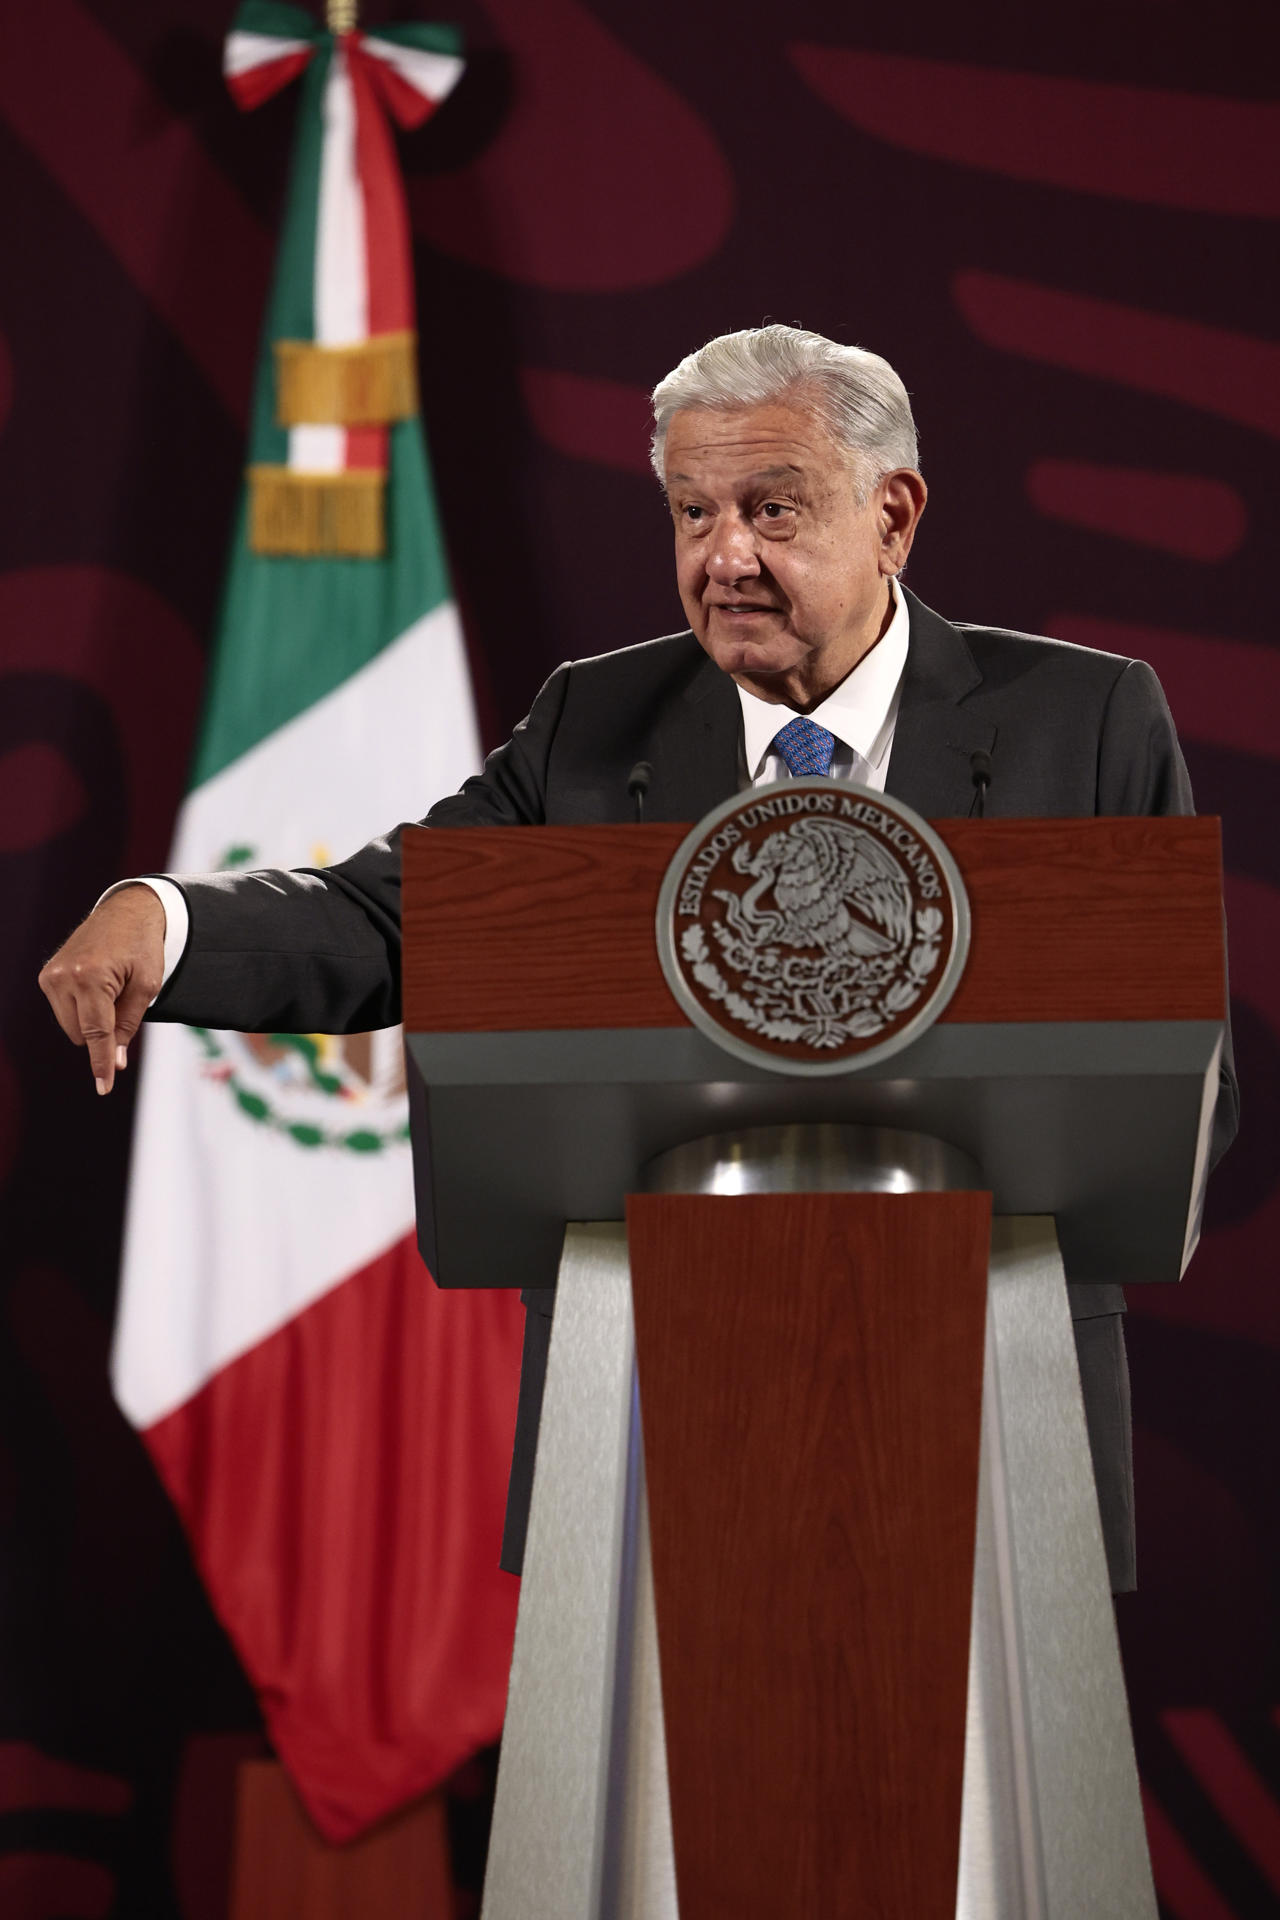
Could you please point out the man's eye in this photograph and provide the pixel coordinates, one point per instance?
(692, 513)
(774, 509)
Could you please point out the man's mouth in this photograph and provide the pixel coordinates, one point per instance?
(740, 608)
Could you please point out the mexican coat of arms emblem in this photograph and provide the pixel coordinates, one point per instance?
(813, 926)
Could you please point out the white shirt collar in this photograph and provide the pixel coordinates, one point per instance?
(862, 710)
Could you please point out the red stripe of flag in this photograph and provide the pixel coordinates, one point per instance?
(410, 107)
(342, 1486)
(255, 84)
(388, 260)
(366, 449)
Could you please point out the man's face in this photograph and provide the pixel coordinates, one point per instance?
(783, 576)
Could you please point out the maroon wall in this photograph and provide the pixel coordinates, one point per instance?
(1060, 226)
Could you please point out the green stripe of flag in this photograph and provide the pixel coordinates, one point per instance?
(276, 18)
(291, 308)
(291, 630)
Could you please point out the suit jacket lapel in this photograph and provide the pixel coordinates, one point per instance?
(935, 734)
(695, 747)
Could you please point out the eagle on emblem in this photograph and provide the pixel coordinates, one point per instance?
(834, 887)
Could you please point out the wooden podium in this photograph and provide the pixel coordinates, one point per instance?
(836, 1639)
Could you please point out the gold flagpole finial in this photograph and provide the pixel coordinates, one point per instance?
(340, 15)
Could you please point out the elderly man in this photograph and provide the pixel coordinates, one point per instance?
(790, 466)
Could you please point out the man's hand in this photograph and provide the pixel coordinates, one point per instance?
(103, 979)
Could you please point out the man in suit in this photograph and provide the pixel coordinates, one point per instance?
(790, 468)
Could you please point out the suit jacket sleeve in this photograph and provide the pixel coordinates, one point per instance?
(318, 950)
(1141, 770)
(1140, 764)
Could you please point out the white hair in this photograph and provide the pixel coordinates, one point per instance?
(857, 396)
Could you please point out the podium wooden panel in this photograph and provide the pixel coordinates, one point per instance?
(1072, 920)
(814, 1689)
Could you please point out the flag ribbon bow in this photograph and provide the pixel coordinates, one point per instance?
(342, 320)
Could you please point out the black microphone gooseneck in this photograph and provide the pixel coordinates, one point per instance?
(980, 774)
(638, 785)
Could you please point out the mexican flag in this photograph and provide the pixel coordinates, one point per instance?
(334, 1431)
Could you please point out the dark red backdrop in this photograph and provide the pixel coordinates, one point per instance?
(1060, 226)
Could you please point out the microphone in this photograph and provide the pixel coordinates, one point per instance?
(638, 785)
(980, 774)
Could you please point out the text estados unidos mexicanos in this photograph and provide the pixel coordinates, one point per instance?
(779, 807)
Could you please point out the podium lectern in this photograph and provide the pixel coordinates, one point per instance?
(835, 1638)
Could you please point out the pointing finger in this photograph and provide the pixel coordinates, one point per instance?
(97, 1013)
(139, 991)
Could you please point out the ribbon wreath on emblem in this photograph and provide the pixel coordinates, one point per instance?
(813, 926)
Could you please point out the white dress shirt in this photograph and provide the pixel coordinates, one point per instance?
(177, 920)
(861, 713)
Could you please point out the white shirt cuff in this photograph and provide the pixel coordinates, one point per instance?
(177, 921)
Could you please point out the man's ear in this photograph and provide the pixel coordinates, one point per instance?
(903, 496)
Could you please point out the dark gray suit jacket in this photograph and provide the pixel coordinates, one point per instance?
(1070, 732)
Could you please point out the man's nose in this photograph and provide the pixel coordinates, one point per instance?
(734, 551)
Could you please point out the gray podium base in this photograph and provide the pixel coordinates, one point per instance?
(1051, 1822)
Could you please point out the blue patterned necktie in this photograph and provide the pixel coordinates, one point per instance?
(805, 746)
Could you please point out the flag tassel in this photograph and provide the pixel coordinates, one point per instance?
(367, 384)
(317, 513)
